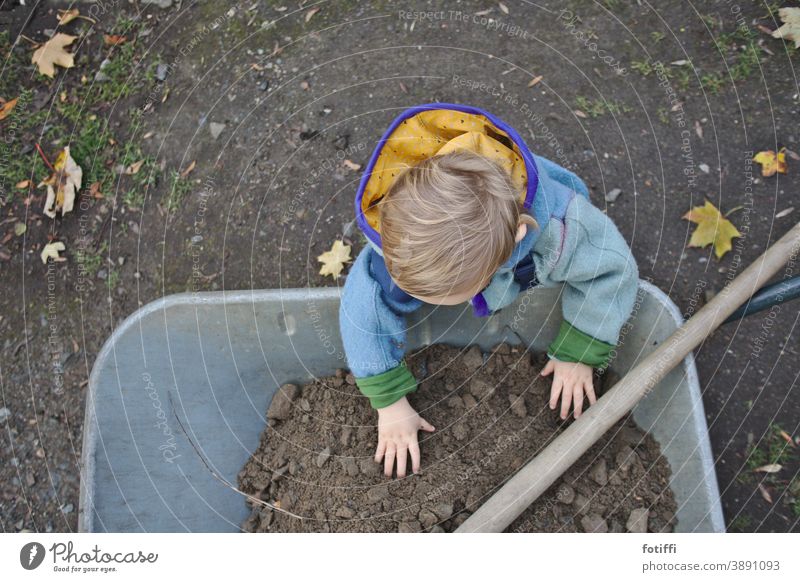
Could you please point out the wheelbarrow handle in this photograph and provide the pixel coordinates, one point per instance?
(767, 297)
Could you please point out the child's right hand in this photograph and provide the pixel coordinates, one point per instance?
(398, 424)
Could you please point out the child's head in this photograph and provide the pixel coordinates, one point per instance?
(447, 224)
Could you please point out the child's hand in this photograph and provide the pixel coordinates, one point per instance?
(571, 380)
(398, 424)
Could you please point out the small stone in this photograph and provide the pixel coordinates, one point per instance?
(704, 168)
(350, 379)
(409, 527)
(350, 466)
(437, 529)
(100, 76)
(216, 129)
(427, 518)
(480, 388)
(455, 402)
(323, 457)
(305, 405)
(376, 494)
(345, 512)
(443, 510)
(599, 472)
(518, 405)
(565, 494)
(159, 3)
(581, 503)
(30, 479)
(280, 472)
(161, 72)
(594, 523)
(281, 406)
(473, 358)
(469, 401)
(68, 508)
(4, 414)
(612, 195)
(345, 437)
(263, 85)
(637, 520)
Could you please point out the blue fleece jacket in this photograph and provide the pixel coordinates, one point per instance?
(576, 245)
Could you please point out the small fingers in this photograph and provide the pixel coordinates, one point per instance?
(548, 368)
(380, 450)
(590, 392)
(388, 465)
(425, 425)
(413, 448)
(402, 458)
(555, 392)
(577, 398)
(566, 400)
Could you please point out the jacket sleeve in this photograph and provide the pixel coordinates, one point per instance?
(373, 329)
(590, 257)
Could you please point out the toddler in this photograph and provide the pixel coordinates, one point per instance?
(456, 208)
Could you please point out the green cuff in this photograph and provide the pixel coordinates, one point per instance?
(572, 345)
(389, 387)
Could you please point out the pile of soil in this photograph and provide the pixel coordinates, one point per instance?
(316, 456)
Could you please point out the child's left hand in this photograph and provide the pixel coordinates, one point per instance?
(571, 380)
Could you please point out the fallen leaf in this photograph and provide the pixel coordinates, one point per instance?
(24, 184)
(764, 493)
(785, 436)
(712, 228)
(771, 468)
(94, 191)
(771, 162)
(698, 129)
(114, 39)
(536, 80)
(62, 185)
(310, 14)
(580, 114)
(352, 165)
(20, 228)
(52, 53)
(50, 251)
(304, 85)
(791, 27)
(134, 168)
(785, 212)
(189, 169)
(67, 16)
(792, 154)
(503, 7)
(333, 260)
(7, 107)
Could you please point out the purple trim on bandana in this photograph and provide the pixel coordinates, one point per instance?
(530, 165)
(479, 306)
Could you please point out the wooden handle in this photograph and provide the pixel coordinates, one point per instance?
(534, 478)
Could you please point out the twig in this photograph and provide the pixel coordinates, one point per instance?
(44, 157)
(218, 477)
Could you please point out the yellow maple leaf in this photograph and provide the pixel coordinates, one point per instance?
(791, 25)
(62, 185)
(7, 107)
(333, 260)
(52, 53)
(52, 250)
(712, 228)
(771, 162)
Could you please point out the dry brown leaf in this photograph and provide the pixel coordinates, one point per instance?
(771, 162)
(310, 14)
(94, 191)
(52, 53)
(791, 25)
(333, 260)
(536, 81)
(62, 185)
(134, 168)
(67, 16)
(580, 114)
(712, 228)
(189, 169)
(114, 39)
(771, 468)
(352, 165)
(22, 185)
(764, 493)
(52, 250)
(7, 107)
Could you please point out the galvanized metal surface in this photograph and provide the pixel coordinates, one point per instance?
(216, 359)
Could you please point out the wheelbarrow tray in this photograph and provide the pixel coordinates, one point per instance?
(216, 359)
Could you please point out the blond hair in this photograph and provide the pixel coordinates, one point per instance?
(448, 223)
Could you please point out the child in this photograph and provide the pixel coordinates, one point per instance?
(456, 208)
